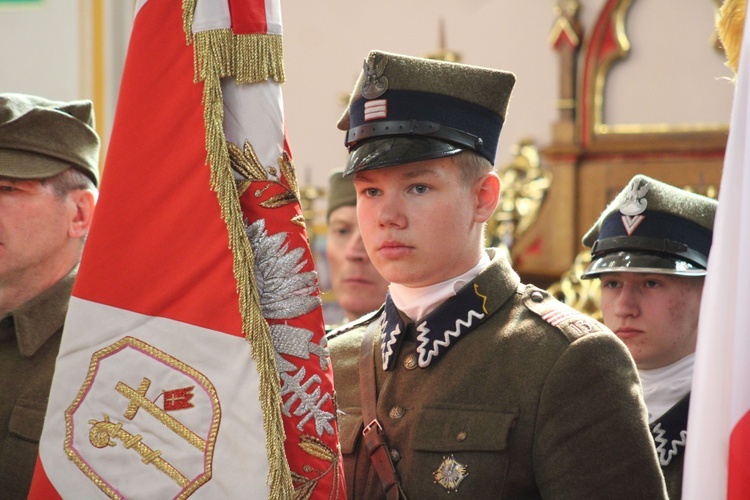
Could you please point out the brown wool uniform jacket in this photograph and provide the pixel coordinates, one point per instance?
(29, 342)
(518, 407)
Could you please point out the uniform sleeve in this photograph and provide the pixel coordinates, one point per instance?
(592, 438)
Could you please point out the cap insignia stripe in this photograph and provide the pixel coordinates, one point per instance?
(375, 110)
(631, 222)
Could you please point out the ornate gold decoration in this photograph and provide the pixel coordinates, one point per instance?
(524, 184)
(730, 24)
(318, 449)
(288, 171)
(566, 23)
(582, 295)
(245, 162)
(442, 53)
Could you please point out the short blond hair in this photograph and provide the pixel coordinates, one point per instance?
(472, 166)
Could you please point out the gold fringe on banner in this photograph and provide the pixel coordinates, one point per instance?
(258, 57)
(246, 58)
(213, 54)
(249, 59)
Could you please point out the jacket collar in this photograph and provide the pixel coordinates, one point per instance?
(454, 318)
(670, 431)
(35, 321)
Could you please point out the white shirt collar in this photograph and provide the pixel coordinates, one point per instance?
(418, 302)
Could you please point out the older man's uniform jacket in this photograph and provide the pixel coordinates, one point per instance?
(29, 343)
(501, 392)
(670, 436)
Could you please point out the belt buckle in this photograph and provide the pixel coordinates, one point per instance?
(371, 426)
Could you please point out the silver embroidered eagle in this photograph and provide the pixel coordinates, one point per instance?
(285, 292)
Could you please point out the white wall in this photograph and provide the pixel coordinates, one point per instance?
(672, 74)
(326, 42)
(40, 49)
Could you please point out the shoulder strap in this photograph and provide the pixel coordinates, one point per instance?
(374, 436)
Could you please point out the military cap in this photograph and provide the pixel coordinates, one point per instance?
(341, 192)
(40, 138)
(406, 109)
(652, 227)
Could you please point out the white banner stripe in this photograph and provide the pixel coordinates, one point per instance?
(273, 17)
(211, 15)
(254, 113)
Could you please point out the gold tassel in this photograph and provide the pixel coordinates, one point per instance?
(220, 54)
(258, 58)
(730, 24)
(213, 48)
(188, 8)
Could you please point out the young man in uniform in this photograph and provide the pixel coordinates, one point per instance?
(650, 249)
(49, 159)
(467, 383)
(356, 284)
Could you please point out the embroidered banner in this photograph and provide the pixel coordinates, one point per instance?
(193, 360)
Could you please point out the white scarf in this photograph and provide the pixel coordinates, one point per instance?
(664, 387)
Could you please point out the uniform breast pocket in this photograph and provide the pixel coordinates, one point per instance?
(26, 422)
(462, 451)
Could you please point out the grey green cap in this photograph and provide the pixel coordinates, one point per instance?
(652, 227)
(405, 109)
(341, 192)
(40, 138)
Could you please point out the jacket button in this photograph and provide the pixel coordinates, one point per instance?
(410, 361)
(537, 296)
(395, 455)
(397, 412)
(461, 436)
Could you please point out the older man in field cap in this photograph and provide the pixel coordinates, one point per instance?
(467, 383)
(650, 249)
(355, 282)
(49, 155)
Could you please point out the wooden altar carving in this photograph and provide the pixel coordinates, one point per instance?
(592, 160)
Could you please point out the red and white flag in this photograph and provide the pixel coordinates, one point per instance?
(193, 359)
(717, 460)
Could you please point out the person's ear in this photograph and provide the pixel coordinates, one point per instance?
(84, 202)
(487, 196)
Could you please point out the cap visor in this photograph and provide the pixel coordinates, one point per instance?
(633, 262)
(387, 152)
